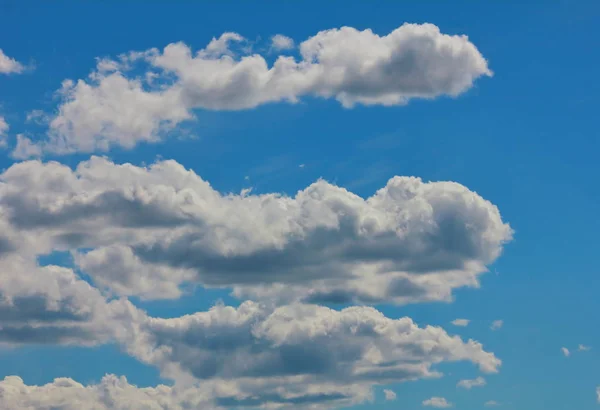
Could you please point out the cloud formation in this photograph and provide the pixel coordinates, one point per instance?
(354, 345)
(3, 131)
(461, 322)
(491, 403)
(148, 231)
(565, 351)
(438, 402)
(117, 108)
(112, 393)
(470, 383)
(390, 395)
(294, 356)
(497, 324)
(9, 65)
(51, 305)
(281, 42)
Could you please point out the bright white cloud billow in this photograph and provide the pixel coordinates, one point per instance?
(146, 231)
(351, 66)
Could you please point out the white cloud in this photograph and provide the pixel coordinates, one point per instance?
(583, 348)
(116, 393)
(3, 131)
(565, 351)
(497, 324)
(147, 231)
(297, 345)
(112, 393)
(9, 65)
(461, 322)
(281, 42)
(51, 305)
(438, 402)
(26, 148)
(389, 394)
(297, 355)
(470, 383)
(598, 393)
(491, 403)
(250, 355)
(115, 108)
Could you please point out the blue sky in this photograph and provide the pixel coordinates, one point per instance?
(525, 139)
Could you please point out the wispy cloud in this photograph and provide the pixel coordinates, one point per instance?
(497, 324)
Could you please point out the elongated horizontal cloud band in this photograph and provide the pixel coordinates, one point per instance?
(112, 393)
(117, 108)
(293, 356)
(146, 231)
(297, 355)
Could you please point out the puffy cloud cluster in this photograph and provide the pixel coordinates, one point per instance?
(147, 231)
(298, 356)
(116, 107)
(52, 305)
(353, 345)
(112, 393)
(150, 232)
(9, 65)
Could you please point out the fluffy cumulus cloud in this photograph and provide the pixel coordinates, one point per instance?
(148, 231)
(281, 42)
(565, 351)
(26, 148)
(298, 356)
(353, 345)
(112, 393)
(116, 107)
(51, 305)
(437, 402)
(470, 383)
(9, 65)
